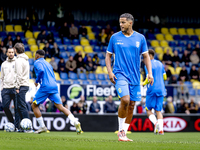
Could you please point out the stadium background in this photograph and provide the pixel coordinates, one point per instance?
(176, 16)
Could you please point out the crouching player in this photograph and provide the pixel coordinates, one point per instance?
(48, 89)
(155, 93)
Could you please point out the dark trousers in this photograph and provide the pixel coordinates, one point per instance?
(7, 96)
(21, 110)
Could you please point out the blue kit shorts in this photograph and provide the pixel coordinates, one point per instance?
(124, 88)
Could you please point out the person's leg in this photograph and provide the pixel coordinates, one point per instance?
(158, 108)
(129, 115)
(21, 102)
(123, 110)
(6, 98)
(67, 113)
(39, 98)
(122, 88)
(58, 103)
(135, 95)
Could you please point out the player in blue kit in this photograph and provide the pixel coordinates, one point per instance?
(127, 47)
(48, 89)
(155, 93)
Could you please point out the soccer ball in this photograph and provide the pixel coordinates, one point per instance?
(26, 124)
(9, 127)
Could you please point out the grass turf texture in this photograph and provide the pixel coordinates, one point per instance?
(97, 140)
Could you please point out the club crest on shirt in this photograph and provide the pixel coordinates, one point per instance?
(137, 44)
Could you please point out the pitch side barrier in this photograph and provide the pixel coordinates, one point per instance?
(109, 122)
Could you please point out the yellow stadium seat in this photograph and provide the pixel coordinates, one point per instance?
(78, 48)
(173, 31)
(33, 48)
(91, 36)
(105, 70)
(18, 28)
(172, 70)
(31, 41)
(178, 70)
(197, 31)
(41, 46)
(164, 31)
(88, 49)
(29, 54)
(169, 37)
(163, 43)
(34, 54)
(159, 37)
(159, 50)
(48, 59)
(84, 42)
(154, 43)
(99, 70)
(9, 28)
(160, 56)
(181, 31)
(36, 34)
(190, 31)
(57, 76)
(196, 85)
(29, 34)
(89, 29)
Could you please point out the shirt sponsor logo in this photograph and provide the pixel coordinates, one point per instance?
(119, 43)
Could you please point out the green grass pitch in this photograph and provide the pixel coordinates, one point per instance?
(98, 141)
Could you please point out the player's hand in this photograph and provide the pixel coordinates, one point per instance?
(36, 84)
(17, 91)
(112, 77)
(150, 78)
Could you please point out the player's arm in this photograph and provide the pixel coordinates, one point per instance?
(147, 62)
(109, 68)
(39, 71)
(110, 51)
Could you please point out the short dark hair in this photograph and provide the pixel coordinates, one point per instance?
(40, 52)
(127, 16)
(151, 52)
(19, 48)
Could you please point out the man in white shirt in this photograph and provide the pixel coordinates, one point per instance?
(22, 81)
(7, 82)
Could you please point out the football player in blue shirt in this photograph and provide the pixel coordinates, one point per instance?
(155, 93)
(48, 89)
(127, 47)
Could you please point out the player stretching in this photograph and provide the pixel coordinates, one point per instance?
(48, 89)
(156, 93)
(127, 45)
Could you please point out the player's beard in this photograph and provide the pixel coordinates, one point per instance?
(124, 30)
(11, 57)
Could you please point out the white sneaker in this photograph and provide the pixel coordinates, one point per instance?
(156, 127)
(78, 127)
(40, 130)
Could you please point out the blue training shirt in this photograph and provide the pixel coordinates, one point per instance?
(158, 86)
(127, 52)
(45, 76)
